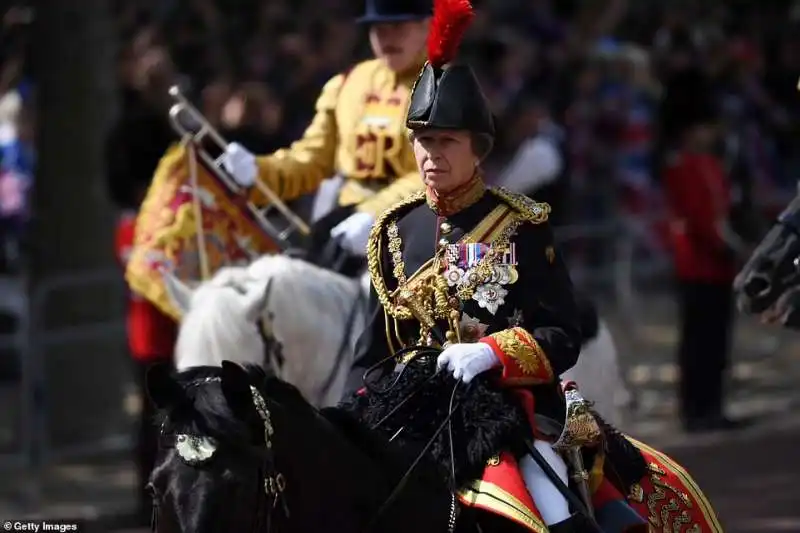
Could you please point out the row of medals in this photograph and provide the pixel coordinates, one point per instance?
(489, 291)
(501, 274)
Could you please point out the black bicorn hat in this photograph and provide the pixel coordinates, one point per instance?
(447, 94)
(449, 98)
(377, 11)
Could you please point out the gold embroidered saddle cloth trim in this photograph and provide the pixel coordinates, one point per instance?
(491, 497)
(486, 230)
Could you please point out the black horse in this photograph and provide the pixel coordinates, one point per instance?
(767, 283)
(243, 451)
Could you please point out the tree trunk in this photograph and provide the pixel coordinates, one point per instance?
(72, 233)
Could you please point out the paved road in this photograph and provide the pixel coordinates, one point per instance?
(765, 364)
(751, 480)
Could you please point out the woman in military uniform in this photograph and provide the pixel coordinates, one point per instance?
(475, 269)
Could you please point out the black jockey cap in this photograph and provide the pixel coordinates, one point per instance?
(377, 11)
(447, 94)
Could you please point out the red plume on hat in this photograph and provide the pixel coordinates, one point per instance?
(451, 18)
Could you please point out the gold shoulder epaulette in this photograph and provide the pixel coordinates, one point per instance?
(530, 210)
(376, 237)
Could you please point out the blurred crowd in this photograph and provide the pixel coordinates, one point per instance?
(593, 100)
(17, 111)
(581, 81)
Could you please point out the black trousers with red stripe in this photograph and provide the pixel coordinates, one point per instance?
(706, 320)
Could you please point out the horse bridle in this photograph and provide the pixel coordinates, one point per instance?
(274, 482)
(270, 340)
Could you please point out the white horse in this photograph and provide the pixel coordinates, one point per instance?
(305, 321)
(316, 316)
(218, 322)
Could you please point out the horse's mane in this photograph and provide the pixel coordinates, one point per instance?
(206, 412)
(295, 280)
(304, 296)
(214, 330)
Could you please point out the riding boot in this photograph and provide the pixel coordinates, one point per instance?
(577, 523)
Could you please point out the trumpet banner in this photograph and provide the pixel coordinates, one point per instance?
(166, 235)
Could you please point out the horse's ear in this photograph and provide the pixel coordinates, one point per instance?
(164, 391)
(236, 389)
(179, 293)
(257, 302)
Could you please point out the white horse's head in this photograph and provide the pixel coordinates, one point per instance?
(309, 318)
(314, 318)
(220, 319)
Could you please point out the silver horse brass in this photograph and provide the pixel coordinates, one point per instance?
(195, 449)
(580, 427)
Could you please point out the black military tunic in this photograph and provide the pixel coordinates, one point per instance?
(528, 315)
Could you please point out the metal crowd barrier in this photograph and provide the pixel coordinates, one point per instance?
(29, 343)
(14, 302)
(616, 273)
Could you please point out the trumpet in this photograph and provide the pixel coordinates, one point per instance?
(182, 110)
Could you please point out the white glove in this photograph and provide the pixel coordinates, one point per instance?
(354, 232)
(240, 164)
(467, 360)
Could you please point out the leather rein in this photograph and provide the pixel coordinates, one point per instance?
(416, 352)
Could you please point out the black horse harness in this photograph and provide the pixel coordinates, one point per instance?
(274, 483)
(271, 480)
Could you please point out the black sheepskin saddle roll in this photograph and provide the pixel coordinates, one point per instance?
(625, 464)
(486, 419)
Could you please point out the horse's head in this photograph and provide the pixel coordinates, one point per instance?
(308, 298)
(216, 469)
(224, 318)
(243, 451)
(774, 267)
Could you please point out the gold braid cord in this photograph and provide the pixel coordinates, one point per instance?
(374, 249)
(528, 210)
